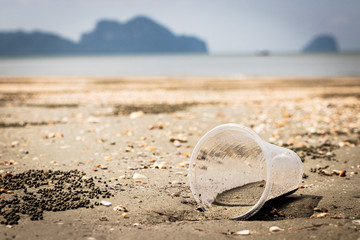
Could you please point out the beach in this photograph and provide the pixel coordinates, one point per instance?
(136, 135)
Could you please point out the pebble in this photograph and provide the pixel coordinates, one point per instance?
(103, 219)
(137, 176)
(275, 229)
(106, 203)
(242, 232)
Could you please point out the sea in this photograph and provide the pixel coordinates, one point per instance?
(212, 65)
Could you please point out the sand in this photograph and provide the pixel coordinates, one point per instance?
(114, 128)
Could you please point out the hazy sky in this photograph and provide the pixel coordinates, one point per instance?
(226, 25)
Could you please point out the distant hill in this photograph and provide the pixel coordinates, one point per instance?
(322, 44)
(139, 35)
(35, 43)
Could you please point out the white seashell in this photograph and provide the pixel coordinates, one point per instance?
(106, 203)
(135, 115)
(243, 232)
(161, 165)
(275, 229)
(176, 182)
(177, 143)
(119, 208)
(356, 222)
(139, 176)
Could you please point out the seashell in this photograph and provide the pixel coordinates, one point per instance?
(184, 164)
(137, 176)
(150, 148)
(319, 215)
(176, 182)
(137, 114)
(242, 232)
(161, 165)
(106, 203)
(356, 222)
(275, 229)
(120, 208)
(177, 143)
(129, 149)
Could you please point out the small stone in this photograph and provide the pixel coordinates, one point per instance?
(103, 219)
(106, 203)
(125, 215)
(242, 232)
(275, 229)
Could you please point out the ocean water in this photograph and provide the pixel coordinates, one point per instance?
(234, 66)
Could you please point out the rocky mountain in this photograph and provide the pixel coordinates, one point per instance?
(322, 44)
(139, 35)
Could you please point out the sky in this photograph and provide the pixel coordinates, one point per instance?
(228, 26)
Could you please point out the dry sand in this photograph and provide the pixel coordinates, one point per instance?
(114, 128)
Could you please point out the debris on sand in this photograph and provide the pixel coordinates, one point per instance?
(36, 191)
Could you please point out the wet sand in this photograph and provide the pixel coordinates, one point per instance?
(115, 128)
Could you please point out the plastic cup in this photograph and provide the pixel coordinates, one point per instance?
(233, 172)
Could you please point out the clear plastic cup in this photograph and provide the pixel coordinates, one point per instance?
(233, 172)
